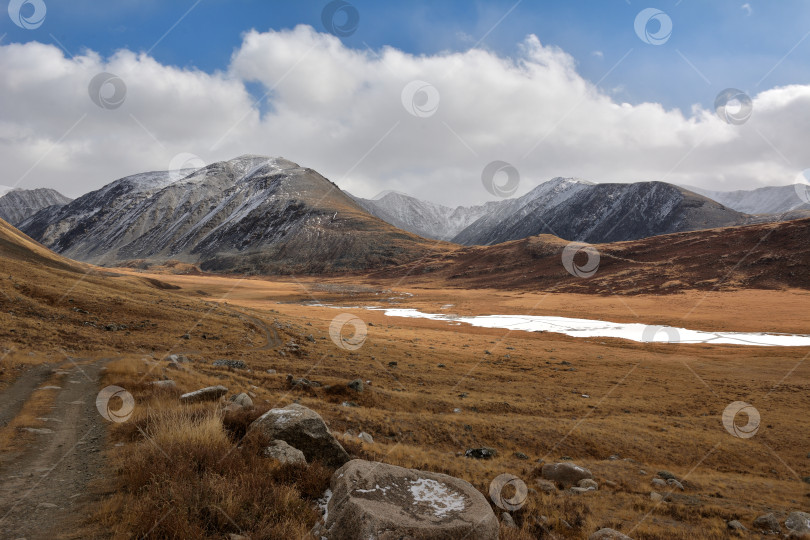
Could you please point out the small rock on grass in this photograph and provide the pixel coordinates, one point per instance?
(736, 525)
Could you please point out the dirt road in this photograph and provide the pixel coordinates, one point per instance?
(43, 488)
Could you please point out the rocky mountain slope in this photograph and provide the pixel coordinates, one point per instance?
(252, 214)
(765, 200)
(761, 256)
(18, 204)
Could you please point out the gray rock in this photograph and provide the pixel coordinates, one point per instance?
(577, 489)
(666, 475)
(386, 502)
(674, 483)
(546, 486)
(271, 371)
(608, 534)
(480, 453)
(588, 483)
(656, 497)
(304, 429)
(243, 400)
(177, 358)
(798, 523)
(365, 437)
(658, 482)
(209, 393)
(38, 431)
(283, 452)
(566, 474)
(168, 383)
(235, 364)
(768, 524)
(520, 455)
(735, 525)
(356, 385)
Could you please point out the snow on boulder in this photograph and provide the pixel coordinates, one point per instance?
(304, 429)
(386, 502)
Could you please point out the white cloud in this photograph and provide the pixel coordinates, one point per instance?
(747, 8)
(339, 111)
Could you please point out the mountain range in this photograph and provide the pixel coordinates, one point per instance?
(261, 215)
(252, 215)
(18, 204)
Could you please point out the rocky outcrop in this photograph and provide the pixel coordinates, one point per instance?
(304, 429)
(19, 204)
(284, 453)
(386, 502)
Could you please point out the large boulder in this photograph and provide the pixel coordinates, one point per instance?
(798, 524)
(386, 502)
(304, 429)
(209, 393)
(608, 534)
(566, 474)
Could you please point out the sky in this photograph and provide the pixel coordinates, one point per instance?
(418, 97)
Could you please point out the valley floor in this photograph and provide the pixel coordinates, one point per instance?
(625, 410)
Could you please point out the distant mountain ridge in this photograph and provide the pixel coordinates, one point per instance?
(764, 200)
(252, 214)
(18, 204)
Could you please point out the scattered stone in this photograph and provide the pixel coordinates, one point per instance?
(480, 453)
(440, 365)
(507, 520)
(168, 383)
(798, 523)
(577, 489)
(46, 505)
(608, 534)
(304, 429)
(588, 483)
(356, 385)
(243, 400)
(292, 382)
(283, 452)
(311, 338)
(235, 364)
(365, 437)
(545, 485)
(174, 365)
(674, 483)
(349, 404)
(614, 457)
(50, 387)
(735, 525)
(666, 475)
(658, 482)
(177, 358)
(767, 524)
(656, 497)
(271, 371)
(566, 474)
(520, 455)
(377, 500)
(209, 393)
(456, 410)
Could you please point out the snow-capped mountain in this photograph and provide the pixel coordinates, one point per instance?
(18, 204)
(764, 200)
(252, 214)
(424, 218)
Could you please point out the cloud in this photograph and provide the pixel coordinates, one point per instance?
(340, 111)
(747, 8)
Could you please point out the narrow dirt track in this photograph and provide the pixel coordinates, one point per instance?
(43, 488)
(13, 397)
